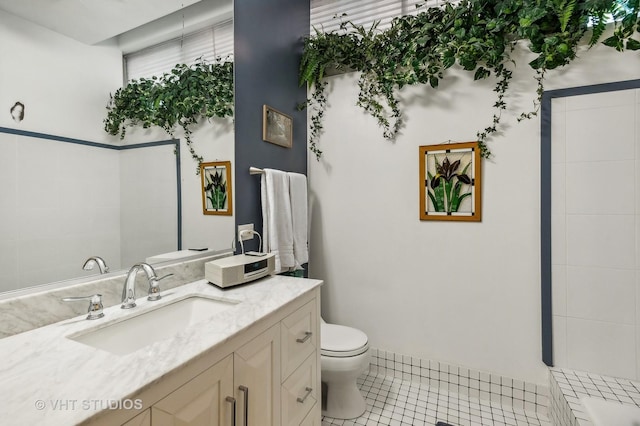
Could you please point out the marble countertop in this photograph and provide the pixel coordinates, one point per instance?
(47, 378)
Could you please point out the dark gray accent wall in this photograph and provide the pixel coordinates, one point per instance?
(545, 200)
(268, 45)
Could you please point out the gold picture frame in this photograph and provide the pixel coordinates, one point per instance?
(450, 182)
(277, 127)
(215, 178)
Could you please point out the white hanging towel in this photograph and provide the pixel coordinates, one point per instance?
(277, 229)
(298, 195)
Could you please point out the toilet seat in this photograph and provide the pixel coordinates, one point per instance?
(339, 341)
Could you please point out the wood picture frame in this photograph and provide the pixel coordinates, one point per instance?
(450, 182)
(215, 178)
(277, 127)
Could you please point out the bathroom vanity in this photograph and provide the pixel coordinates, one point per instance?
(201, 355)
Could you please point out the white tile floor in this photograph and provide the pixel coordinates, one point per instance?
(392, 401)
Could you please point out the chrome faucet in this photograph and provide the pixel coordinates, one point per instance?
(128, 291)
(93, 261)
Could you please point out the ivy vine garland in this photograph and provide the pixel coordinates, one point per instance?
(179, 98)
(478, 35)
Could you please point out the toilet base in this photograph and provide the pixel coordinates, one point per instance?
(344, 401)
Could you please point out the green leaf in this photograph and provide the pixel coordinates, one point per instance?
(633, 44)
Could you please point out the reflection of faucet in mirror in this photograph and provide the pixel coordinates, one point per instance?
(93, 261)
(128, 291)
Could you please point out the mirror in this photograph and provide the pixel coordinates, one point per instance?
(71, 191)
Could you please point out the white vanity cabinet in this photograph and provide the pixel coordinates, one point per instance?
(269, 373)
(200, 401)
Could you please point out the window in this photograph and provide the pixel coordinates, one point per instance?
(209, 44)
(363, 12)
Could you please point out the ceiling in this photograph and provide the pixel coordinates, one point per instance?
(92, 21)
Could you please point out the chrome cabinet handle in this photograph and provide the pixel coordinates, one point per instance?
(306, 395)
(232, 401)
(307, 336)
(95, 305)
(245, 391)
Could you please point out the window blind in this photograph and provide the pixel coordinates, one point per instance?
(210, 43)
(363, 12)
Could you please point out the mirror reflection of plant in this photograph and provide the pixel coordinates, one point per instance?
(447, 197)
(179, 98)
(478, 35)
(216, 190)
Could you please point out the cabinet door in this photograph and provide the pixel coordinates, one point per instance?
(257, 380)
(142, 419)
(200, 402)
(313, 418)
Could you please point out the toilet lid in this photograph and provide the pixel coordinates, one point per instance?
(342, 341)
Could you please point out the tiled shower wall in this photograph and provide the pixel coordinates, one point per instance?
(596, 232)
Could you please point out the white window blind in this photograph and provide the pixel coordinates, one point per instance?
(209, 44)
(363, 12)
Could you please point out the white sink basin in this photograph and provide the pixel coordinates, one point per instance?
(164, 322)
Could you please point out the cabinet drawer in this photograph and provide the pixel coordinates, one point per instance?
(300, 337)
(300, 392)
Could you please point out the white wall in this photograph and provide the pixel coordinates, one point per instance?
(463, 293)
(60, 201)
(63, 84)
(595, 256)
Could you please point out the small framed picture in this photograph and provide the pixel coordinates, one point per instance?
(450, 187)
(277, 127)
(216, 188)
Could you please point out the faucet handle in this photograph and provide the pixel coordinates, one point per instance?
(95, 305)
(154, 288)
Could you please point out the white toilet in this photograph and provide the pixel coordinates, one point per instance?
(344, 357)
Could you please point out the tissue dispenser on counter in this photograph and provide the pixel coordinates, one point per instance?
(239, 269)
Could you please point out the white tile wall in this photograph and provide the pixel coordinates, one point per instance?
(596, 232)
(602, 294)
(598, 187)
(560, 340)
(603, 134)
(559, 289)
(601, 347)
(601, 240)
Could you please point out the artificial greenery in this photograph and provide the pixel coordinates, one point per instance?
(179, 98)
(478, 35)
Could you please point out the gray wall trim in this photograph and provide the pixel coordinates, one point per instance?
(85, 142)
(65, 139)
(545, 200)
(268, 47)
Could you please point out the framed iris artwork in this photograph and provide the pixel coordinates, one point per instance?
(450, 187)
(216, 188)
